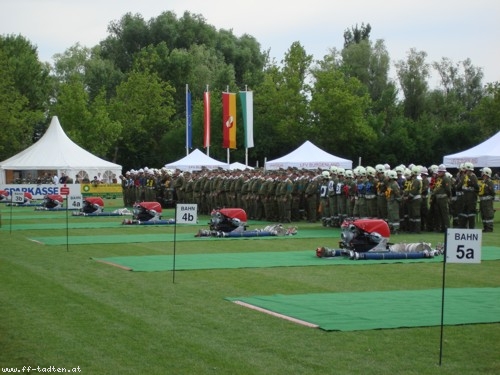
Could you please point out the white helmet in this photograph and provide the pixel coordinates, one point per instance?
(340, 171)
(487, 171)
(349, 174)
(434, 168)
(361, 171)
(407, 173)
(423, 170)
(416, 170)
(371, 171)
(325, 174)
(441, 168)
(380, 168)
(392, 175)
(333, 169)
(399, 169)
(469, 166)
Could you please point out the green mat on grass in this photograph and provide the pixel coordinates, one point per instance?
(70, 225)
(82, 222)
(169, 237)
(150, 263)
(382, 310)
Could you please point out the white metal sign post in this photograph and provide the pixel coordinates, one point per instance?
(461, 246)
(16, 198)
(65, 191)
(184, 214)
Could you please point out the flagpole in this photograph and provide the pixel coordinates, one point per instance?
(187, 121)
(207, 140)
(227, 149)
(246, 145)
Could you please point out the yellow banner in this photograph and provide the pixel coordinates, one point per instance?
(101, 190)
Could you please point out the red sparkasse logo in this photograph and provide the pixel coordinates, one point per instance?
(65, 190)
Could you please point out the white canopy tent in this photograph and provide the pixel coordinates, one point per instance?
(486, 154)
(55, 151)
(196, 161)
(239, 166)
(308, 156)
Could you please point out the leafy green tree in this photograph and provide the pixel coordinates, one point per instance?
(15, 119)
(487, 113)
(102, 134)
(127, 36)
(143, 106)
(291, 102)
(357, 34)
(340, 105)
(71, 108)
(413, 75)
(29, 82)
(30, 76)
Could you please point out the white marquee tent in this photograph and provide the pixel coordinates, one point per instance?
(486, 154)
(308, 156)
(196, 161)
(56, 152)
(239, 166)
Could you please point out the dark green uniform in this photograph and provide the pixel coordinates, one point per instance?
(486, 198)
(470, 187)
(441, 193)
(393, 197)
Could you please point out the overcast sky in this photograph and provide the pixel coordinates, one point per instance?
(442, 28)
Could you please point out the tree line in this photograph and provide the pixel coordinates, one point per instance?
(124, 99)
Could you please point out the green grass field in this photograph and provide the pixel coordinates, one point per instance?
(61, 308)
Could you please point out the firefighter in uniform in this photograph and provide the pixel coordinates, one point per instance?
(414, 200)
(381, 186)
(459, 198)
(332, 196)
(350, 192)
(431, 223)
(470, 187)
(424, 206)
(323, 197)
(486, 198)
(360, 205)
(311, 196)
(441, 194)
(371, 192)
(393, 197)
(341, 197)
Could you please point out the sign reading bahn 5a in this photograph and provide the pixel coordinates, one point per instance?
(463, 245)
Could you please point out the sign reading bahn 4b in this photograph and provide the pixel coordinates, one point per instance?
(186, 213)
(463, 245)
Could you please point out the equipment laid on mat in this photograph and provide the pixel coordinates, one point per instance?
(232, 222)
(270, 230)
(228, 220)
(51, 202)
(92, 205)
(4, 196)
(147, 213)
(369, 239)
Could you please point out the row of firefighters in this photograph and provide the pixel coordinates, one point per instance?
(410, 199)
